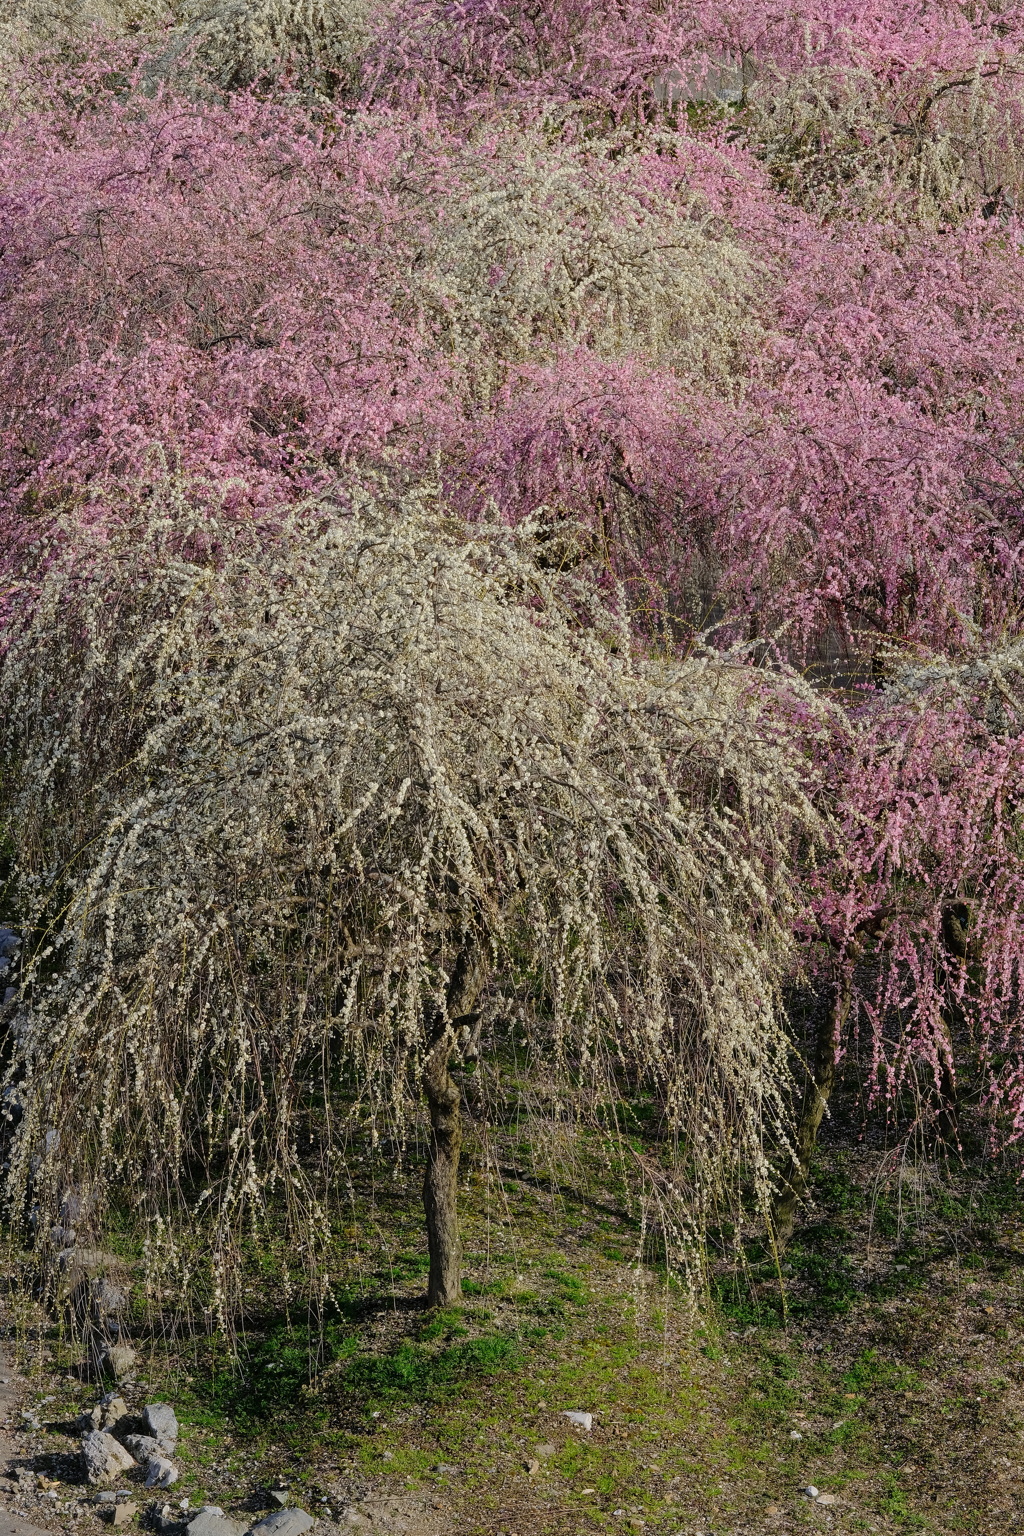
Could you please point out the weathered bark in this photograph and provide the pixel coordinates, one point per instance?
(819, 1086)
(443, 1095)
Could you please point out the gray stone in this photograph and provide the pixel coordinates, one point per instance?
(280, 1496)
(212, 1521)
(142, 1447)
(544, 1451)
(160, 1473)
(118, 1359)
(162, 1423)
(283, 1522)
(575, 1416)
(104, 1457)
(87, 1260)
(107, 1298)
(112, 1407)
(826, 1498)
(74, 1206)
(124, 1514)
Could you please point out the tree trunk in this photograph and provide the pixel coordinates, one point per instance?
(816, 1096)
(443, 1095)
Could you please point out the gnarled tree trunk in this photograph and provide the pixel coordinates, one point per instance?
(443, 1095)
(816, 1096)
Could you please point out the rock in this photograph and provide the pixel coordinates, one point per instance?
(811, 1491)
(532, 1466)
(795, 1434)
(142, 1447)
(90, 1419)
(75, 1205)
(123, 1514)
(111, 1408)
(164, 1517)
(280, 1496)
(283, 1522)
(211, 1521)
(826, 1498)
(107, 1298)
(88, 1260)
(544, 1451)
(104, 1457)
(161, 1473)
(162, 1423)
(355, 1519)
(584, 1420)
(118, 1359)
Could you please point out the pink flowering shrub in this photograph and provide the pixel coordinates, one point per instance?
(926, 920)
(196, 277)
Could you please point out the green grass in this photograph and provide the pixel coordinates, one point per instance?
(414, 1372)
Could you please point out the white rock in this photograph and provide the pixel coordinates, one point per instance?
(826, 1498)
(584, 1420)
(283, 1522)
(162, 1423)
(811, 1491)
(104, 1457)
(160, 1473)
(795, 1434)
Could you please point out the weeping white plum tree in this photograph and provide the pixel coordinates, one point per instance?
(292, 806)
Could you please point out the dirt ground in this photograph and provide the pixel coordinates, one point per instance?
(892, 1382)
